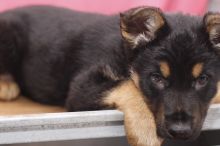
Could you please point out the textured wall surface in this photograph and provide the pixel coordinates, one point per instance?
(113, 6)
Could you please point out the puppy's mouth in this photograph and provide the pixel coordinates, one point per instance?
(184, 134)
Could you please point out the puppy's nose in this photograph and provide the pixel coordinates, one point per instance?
(180, 130)
(178, 116)
(179, 125)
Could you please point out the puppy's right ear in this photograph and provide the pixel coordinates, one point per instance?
(141, 25)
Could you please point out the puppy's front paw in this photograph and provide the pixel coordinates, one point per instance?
(9, 89)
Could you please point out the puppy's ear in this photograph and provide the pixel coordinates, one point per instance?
(141, 25)
(212, 24)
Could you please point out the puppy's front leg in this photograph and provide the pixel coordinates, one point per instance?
(216, 98)
(9, 89)
(139, 122)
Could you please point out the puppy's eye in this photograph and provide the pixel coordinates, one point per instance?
(156, 78)
(201, 81)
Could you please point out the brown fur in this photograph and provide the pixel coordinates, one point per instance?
(139, 121)
(197, 70)
(129, 37)
(9, 89)
(165, 69)
(135, 78)
(212, 20)
(216, 98)
(152, 20)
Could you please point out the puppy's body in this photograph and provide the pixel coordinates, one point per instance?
(82, 60)
(55, 46)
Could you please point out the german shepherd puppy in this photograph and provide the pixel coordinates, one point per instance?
(161, 70)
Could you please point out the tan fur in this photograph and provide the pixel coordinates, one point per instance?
(159, 20)
(129, 37)
(216, 98)
(9, 89)
(165, 69)
(139, 122)
(211, 20)
(135, 79)
(197, 70)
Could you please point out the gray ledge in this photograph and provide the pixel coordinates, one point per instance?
(75, 125)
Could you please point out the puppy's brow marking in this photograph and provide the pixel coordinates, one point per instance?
(165, 69)
(197, 70)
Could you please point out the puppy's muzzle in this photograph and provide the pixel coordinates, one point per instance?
(179, 126)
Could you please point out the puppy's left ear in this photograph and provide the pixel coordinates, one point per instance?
(141, 25)
(212, 24)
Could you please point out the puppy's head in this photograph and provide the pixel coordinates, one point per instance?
(177, 66)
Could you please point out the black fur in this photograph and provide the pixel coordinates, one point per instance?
(52, 48)
(186, 44)
(59, 56)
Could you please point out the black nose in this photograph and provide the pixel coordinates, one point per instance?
(179, 125)
(180, 130)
